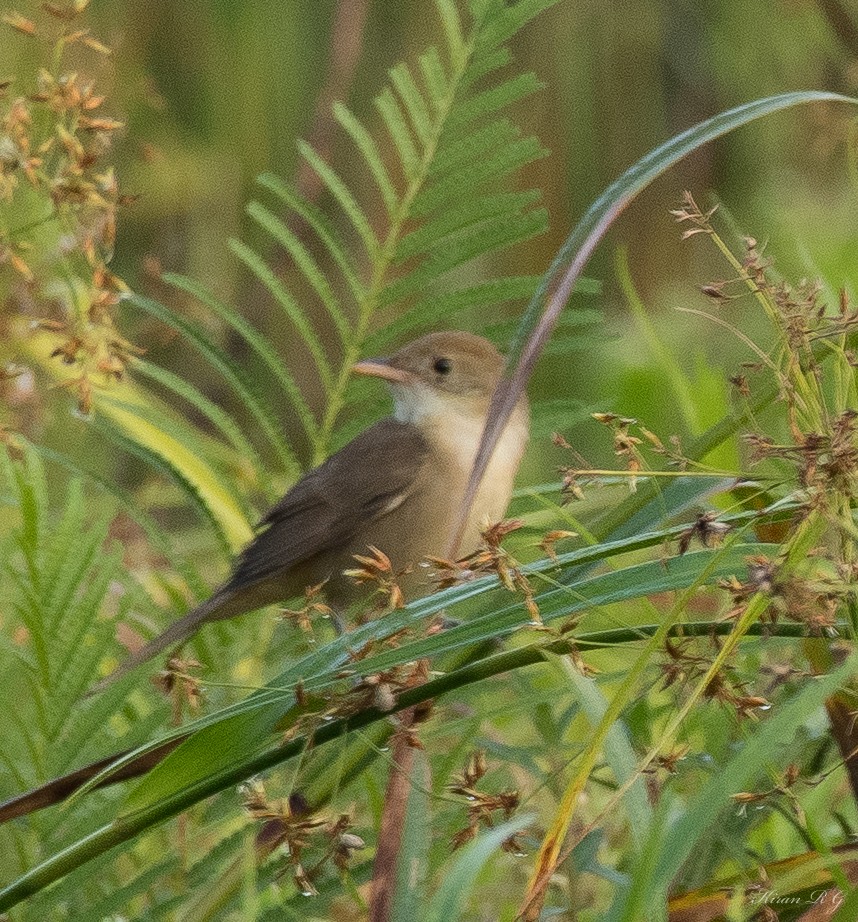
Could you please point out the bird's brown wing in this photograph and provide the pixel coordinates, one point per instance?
(322, 512)
(325, 509)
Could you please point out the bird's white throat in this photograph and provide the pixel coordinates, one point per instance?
(455, 426)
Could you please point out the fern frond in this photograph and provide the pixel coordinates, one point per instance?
(304, 261)
(461, 218)
(452, 148)
(414, 103)
(281, 295)
(400, 134)
(320, 226)
(461, 249)
(432, 71)
(217, 416)
(492, 100)
(160, 463)
(505, 21)
(474, 145)
(452, 25)
(59, 604)
(446, 306)
(32, 500)
(449, 187)
(243, 386)
(486, 64)
(86, 594)
(441, 172)
(257, 405)
(343, 196)
(155, 534)
(61, 560)
(364, 142)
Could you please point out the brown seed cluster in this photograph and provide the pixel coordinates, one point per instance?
(630, 439)
(826, 461)
(376, 569)
(59, 200)
(291, 829)
(483, 808)
(381, 690)
(818, 444)
(489, 557)
(809, 600)
(785, 788)
(314, 606)
(682, 667)
(177, 682)
(706, 529)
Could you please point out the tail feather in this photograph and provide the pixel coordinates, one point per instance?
(220, 605)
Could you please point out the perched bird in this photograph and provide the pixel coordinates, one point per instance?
(396, 487)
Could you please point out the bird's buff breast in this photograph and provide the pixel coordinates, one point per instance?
(456, 446)
(420, 525)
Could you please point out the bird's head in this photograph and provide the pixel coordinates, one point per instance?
(439, 374)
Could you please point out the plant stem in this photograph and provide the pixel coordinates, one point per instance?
(126, 827)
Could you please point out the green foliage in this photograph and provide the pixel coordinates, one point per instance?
(454, 151)
(60, 577)
(356, 274)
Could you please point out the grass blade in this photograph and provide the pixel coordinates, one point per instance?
(559, 281)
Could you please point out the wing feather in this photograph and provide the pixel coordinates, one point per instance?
(364, 481)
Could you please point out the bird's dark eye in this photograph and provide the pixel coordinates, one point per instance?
(442, 366)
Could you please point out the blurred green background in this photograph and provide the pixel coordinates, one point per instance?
(213, 93)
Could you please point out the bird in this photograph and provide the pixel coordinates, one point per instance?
(397, 487)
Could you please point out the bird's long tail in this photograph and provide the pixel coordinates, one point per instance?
(222, 604)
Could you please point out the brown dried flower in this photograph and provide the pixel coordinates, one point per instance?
(481, 806)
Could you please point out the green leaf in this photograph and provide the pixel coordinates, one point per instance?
(435, 79)
(461, 873)
(154, 533)
(246, 388)
(474, 145)
(283, 297)
(449, 15)
(305, 263)
(509, 19)
(474, 174)
(508, 205)
(320, 226)
(573, 255)
(219, 418)
(414, 103)
(741, 773)
(412, 860)
(493, 100)
(256, 405)
(219, 503)
(618, 750)
(429, 312)
(606, 589)
(366, 145)
(483, 239)
(226, 743)
(343, 196)
(392, 116)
